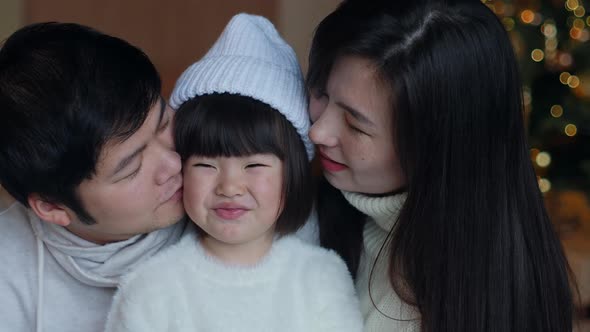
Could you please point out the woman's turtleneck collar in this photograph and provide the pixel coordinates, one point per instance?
(378, 301)
(383, 209)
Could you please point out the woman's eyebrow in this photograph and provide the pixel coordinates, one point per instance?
(356, 114)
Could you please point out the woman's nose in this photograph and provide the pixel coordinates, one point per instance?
(324, 131)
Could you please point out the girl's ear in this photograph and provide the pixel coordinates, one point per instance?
(49, 212)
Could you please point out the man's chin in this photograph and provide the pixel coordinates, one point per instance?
(170, 221)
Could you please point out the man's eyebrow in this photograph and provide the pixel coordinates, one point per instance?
(356, 114)
(127, 160)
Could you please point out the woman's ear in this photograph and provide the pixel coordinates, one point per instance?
(49, 212)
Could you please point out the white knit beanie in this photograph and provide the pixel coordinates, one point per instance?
(252, 60)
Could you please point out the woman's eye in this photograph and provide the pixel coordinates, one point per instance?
(356, 130)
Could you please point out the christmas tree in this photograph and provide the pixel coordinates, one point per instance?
(551, 41)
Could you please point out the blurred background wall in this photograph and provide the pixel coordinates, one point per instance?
(173, 33)
(11, 16)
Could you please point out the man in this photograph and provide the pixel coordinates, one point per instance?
(86, 150)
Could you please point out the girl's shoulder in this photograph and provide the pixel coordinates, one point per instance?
(322, 281)
(313, 262)
(295, 246)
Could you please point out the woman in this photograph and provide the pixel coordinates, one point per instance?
(418, 120)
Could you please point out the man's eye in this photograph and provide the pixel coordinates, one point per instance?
(132, 175)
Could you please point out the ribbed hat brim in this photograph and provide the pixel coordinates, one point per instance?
(248, 76)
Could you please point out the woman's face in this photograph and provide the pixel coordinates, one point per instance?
(353, 129)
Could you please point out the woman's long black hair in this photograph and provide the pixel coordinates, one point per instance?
(473, 241)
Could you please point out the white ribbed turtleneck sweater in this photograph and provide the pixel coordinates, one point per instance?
(377, 298)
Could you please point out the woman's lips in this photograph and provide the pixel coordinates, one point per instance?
(331, 165)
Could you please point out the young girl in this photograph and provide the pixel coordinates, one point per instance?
(241, 130)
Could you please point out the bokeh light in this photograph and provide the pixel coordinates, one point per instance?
(543, 159)
(527, 16)
(544, 185)
(556, 111)
(571, 130)
(537, 55)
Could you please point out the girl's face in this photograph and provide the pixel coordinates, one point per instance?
(235, 200)
(353, 129)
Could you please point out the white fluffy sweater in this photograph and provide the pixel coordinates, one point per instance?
(296, 287)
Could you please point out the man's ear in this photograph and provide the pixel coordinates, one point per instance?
(49, 212)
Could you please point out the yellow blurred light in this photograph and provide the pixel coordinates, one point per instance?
(544, 185)
(584, 89)
(527, 16)
(499, 8)
(579, 23)
(550, 55)
(549, 30)
(565, 59)
(563, 77)
(537, 55)
(580, 11)
(556, 111)
(570, 21)
(508, 23)
(571, 4)
(575, 33)
(588, 20)
(526, 97)
(573, 81)
(543, 159)
(585, 35)
(551, 44)
(571, 130)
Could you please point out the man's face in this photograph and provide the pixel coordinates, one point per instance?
(138, 183)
